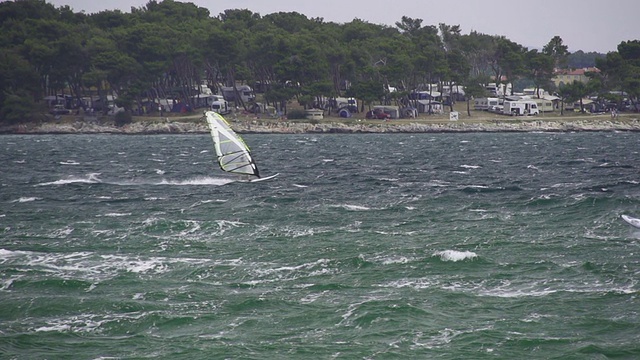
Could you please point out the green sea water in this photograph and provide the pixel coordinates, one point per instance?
(370, 246)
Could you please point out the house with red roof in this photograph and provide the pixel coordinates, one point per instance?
(568, 76)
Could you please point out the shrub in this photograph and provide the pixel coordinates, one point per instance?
(122, 118)
(296, 114)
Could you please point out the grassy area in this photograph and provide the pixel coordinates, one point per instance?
(477, 117)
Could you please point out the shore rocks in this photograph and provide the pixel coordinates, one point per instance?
(253, 126)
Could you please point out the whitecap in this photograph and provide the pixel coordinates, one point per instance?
(69, 162)
(5, 285)
(477, 186)
(115, 214)
(62, 233)
(454, 255)
(89, 179)
(26, 199)
(198, 181)
(353, 207)
(390, 260)
(470, 166)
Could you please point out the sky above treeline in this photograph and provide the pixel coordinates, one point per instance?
(587, 25)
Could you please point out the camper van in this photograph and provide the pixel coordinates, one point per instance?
(520, 107)
(220, 105)
(485, 103)
(245, 91)
(350, 104)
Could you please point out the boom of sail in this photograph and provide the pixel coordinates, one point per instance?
(233, 154)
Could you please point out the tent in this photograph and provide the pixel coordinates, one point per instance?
(344, 113)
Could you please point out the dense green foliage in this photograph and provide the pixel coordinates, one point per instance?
(166, 49)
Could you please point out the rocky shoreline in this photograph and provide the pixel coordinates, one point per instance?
(257, 126)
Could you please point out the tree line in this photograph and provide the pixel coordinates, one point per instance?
(166, 49)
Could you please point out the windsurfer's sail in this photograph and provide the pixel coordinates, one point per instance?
(234, 155)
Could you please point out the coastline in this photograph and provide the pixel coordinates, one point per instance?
(194, 124)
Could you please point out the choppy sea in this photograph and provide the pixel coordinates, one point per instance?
(369, 246)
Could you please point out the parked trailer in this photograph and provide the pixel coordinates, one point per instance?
(520, 107)
(485, 103)
(245, 92)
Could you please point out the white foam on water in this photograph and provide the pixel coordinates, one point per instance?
(438, 183)
(86, 323)
(454, 255)
(89, 179)
(294, 232)
(26, 199)
(514, 292)
(61, 233)
(354, 308)
(114, 215)
(90, 266)
(417, 284)
(203, 202)
(352, 207)
(396, 259)
(270, 273)
(311, 298)
(69, 162)
(470, 166)
(5, 285)
(477, 186)
(224, 225)
(441, 339)
(198, 181)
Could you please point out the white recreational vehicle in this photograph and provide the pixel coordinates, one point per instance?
(220, 105)
(485, 103)
(350, 104)
(520, 107)
(245, 92)
(498, 89)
